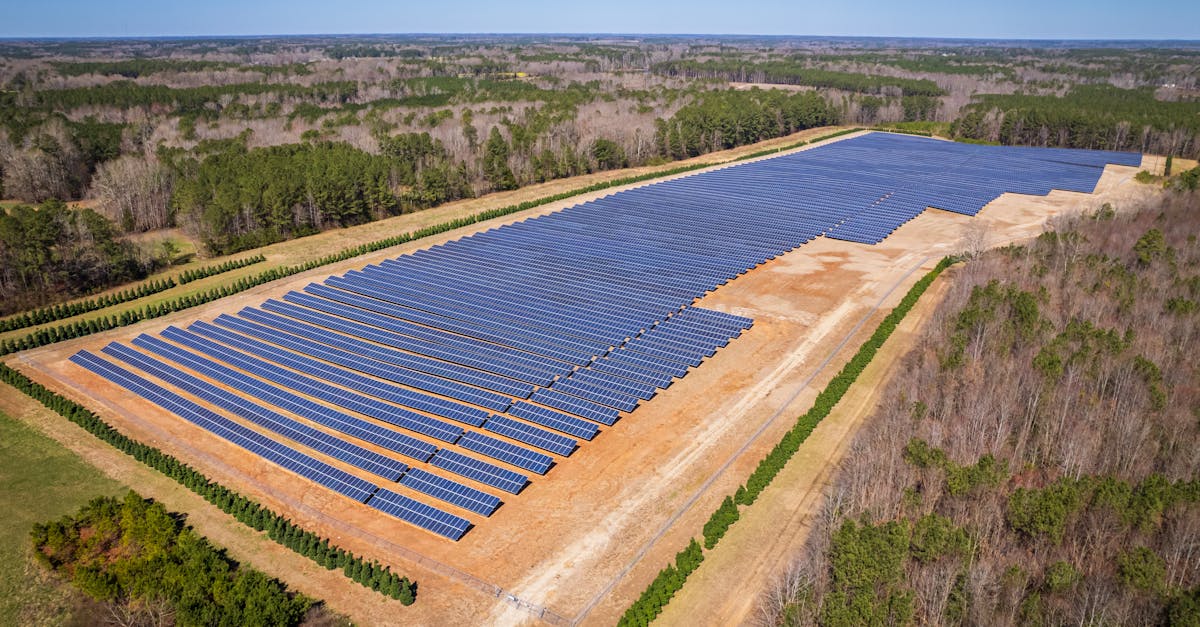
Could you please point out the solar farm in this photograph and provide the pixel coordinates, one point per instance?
(488, 400)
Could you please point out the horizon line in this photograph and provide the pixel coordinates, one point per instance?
(10, 38)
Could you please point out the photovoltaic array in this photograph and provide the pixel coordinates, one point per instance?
(492, 357)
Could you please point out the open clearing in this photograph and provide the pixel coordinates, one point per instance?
(585, 539)
(39, 481)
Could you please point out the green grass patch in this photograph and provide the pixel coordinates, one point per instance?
(927, 128)
(39, 480)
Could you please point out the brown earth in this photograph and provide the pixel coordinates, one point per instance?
(585, 539)
(727, 586)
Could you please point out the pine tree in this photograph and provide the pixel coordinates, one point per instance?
(495, 162)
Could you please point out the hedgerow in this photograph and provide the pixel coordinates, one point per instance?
(200, 273)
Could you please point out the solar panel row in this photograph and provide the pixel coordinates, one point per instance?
(535, 333)
(297, 431)
(248, 439)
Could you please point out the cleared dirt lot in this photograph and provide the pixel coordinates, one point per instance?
(584, 540)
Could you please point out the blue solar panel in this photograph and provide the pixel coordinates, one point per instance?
(420, 514)
(316, 439)
(451, 492)
(479, 470)
(555, 420)
(528, 434)
(311, 384)
(508, 452)
(389, 371)
(287, 457)
(540, 330)
(307, 408)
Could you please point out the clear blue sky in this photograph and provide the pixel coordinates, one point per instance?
(1020, 19)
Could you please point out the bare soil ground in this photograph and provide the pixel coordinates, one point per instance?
(585, 539)
(726, 588)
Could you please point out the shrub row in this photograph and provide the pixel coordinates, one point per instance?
(671, 579)
(719, 522)
(246, 511)
(834, 391)
(902, 131)
(67, 310)
(200, 273)
(665, 585)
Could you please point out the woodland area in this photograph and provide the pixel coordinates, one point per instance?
(1038, 461)
(146, 568)
(248, 141)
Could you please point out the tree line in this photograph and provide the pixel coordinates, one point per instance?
(51, 252)
(1044, 436)
(1088, 116)
(239, 199)
(718, 120)
(144, 66)
(128, 94)
(796, 73)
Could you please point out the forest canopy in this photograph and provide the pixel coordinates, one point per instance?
(51, 250)
(1088, 116)
(135, 555)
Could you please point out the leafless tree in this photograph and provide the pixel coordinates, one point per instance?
(134, 192)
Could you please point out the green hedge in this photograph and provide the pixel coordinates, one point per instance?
(902, 131)
(67, 310)
(719, 522)
(280, 529)
(200, 273)
(770, 465)
(670, 580)
(665, 585)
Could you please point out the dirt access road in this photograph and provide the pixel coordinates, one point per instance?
(584, 540)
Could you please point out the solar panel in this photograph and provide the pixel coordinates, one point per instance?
(479, 470)
(508, 452)
(307, 408)
(529, 434)
(532, 334)
(450, 491)
(299, 463)
(299, 432)
(420, 514)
